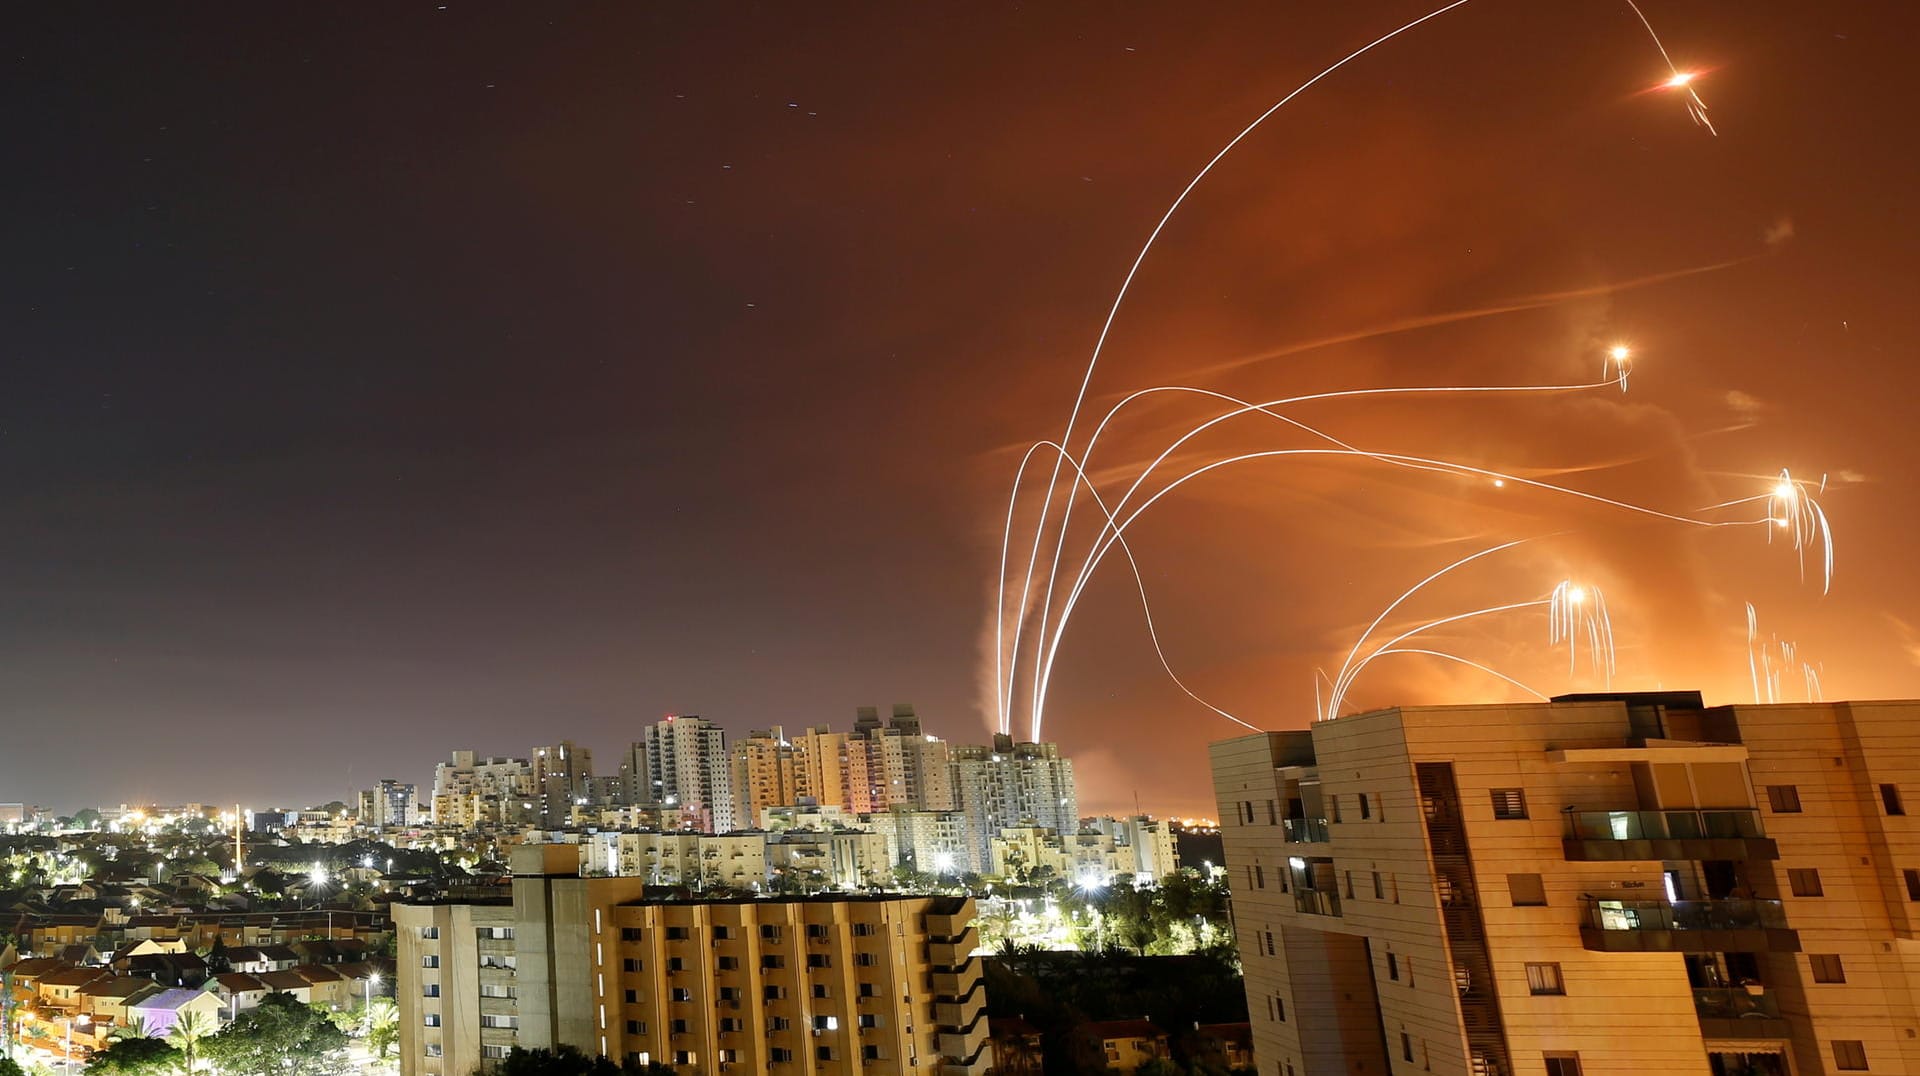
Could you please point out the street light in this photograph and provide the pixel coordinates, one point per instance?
(373, 980)
(76, 1018)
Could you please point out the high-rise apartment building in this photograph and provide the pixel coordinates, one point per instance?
(803, 986)
(476, 793)
(1603, 884)
(687, 764)
(562, 780)
(1009, 784)
(391, 803)
(763, 774)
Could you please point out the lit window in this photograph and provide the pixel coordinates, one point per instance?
(1544, 979)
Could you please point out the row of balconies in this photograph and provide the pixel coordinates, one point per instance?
(1687, 926)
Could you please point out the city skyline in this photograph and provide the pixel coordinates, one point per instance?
(380, 392)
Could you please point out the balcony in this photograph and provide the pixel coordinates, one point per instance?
(1687, 926)
(1317, 901)
(1731, 833)
(1739, 1012)
(1304, 831)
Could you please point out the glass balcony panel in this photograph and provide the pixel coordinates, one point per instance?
(1682, 824)
(1687, 914)
(1734, 1002)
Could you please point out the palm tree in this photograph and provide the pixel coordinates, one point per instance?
(134, 1028)
(188, 1029)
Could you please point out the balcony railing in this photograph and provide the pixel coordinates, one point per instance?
(1305, 830)
(1317, 901)
(1712, 823)
(1739, 1012)
(1685, 915)
(1734, 1003)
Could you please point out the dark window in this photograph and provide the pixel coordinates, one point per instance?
(1273, 814)
(629, 933)
(632, 997)
(679, 1027)
(722, 933)
(770, 932)
(1406, 1046)
(773, 993)
(1805, 882)
(1259, 876)
(870, 1053)
(1784, 799)
(1393, 966)
(817, 960)
(1563, 1064)
(1849, 1055)
(824, 1053)
(1366, 806)
(1347, 876)
(1826, 968)
(1527, 890)
(1246, 811)
(1379, 887)
(1509, 803)
(1913, 883)
(868, 1019)
(1545, 979)
(820, 990)
(635, 1027)
(676, 933)
(729, 963)
(629, 964)
(681, 993)
(771, 961)
(816, 930)
(1890, 799)
(1266, 939)
(1280, 1008)
(674, 963)
(780, 1055)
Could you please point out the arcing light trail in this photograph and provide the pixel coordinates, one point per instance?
(1807, 521)
(1048, 647)
(1242, 407)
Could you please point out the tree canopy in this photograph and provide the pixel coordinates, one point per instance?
(279, 1037)
(134, 1057)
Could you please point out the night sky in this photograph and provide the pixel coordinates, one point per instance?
(386, 379)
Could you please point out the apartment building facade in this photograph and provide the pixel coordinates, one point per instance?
(803, 986)
(1600, 884)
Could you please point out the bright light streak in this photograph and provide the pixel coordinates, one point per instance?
(1066, 438)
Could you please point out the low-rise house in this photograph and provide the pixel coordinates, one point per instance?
(238, 990)
(326, 987)
(159, 1012)
(1017, 1046)
(1117, 1045)
(61, 989)
(107, 998)
(1222, 1046)
(287, 982)
(167, 969)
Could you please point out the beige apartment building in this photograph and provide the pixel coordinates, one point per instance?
(1609, 885)
(870, 985)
